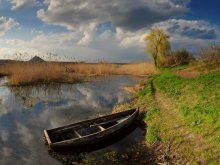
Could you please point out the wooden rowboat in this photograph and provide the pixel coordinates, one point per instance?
(90, 131)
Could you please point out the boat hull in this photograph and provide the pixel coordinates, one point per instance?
(95, 138)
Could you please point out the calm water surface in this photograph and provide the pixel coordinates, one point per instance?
(25, 112)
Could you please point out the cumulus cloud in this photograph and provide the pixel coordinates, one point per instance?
(189, 28)
(114, 30)
(88, 34)
(21, 3)
(66, 45)
(127, 14)
(6, 24)
(128, 20)
(128, 39)
(189, 33)
(114, 45)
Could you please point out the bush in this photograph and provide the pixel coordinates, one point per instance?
(210, 54)
(178, 57)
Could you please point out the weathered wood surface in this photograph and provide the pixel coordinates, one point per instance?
(89, 131)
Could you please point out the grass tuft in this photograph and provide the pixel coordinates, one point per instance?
(152, 134)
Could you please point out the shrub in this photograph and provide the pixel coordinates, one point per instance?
(178, 57)
(210, 54)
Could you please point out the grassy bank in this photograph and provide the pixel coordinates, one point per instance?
(25, 73)
(196, 103)
(182, 116)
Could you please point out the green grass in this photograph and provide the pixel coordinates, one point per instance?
(146, 96)
(184, 112)
(198, 99)
(197, 104)
(152, 134)
(175, 68)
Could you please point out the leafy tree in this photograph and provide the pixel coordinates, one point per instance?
(158, 45)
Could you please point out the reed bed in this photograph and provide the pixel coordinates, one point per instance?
(21, 73)
(112, 69)
(28, 73)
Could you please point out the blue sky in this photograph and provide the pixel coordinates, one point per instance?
(93, 30)
(204, 10)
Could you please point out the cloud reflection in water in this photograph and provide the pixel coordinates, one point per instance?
(27, 111)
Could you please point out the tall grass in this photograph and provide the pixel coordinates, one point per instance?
(91, 69)
(138, 69)
(114, 69)
(23, 73)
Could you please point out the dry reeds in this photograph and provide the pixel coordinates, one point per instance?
(137, 69)
(112, 69)
(91, 69)
(21, 73)
(25, 73)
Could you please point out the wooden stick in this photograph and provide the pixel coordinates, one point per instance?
(77, 134)
(101, 128)
(47, 137)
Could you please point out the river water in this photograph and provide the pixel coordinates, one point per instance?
(26, 111)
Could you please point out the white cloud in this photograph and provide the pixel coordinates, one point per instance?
(88, 34)
(6, 24)
(67, 45)
(21, 3)
(132, 21)
(190, 33)
(124, 25)
(127, 14)
(120, 45)
(189, 28)
(131, 39)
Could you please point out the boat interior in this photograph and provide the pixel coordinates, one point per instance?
(81, 131)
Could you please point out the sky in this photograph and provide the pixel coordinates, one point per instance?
(96, 30)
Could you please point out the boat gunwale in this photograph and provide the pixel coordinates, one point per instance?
(90, 120)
